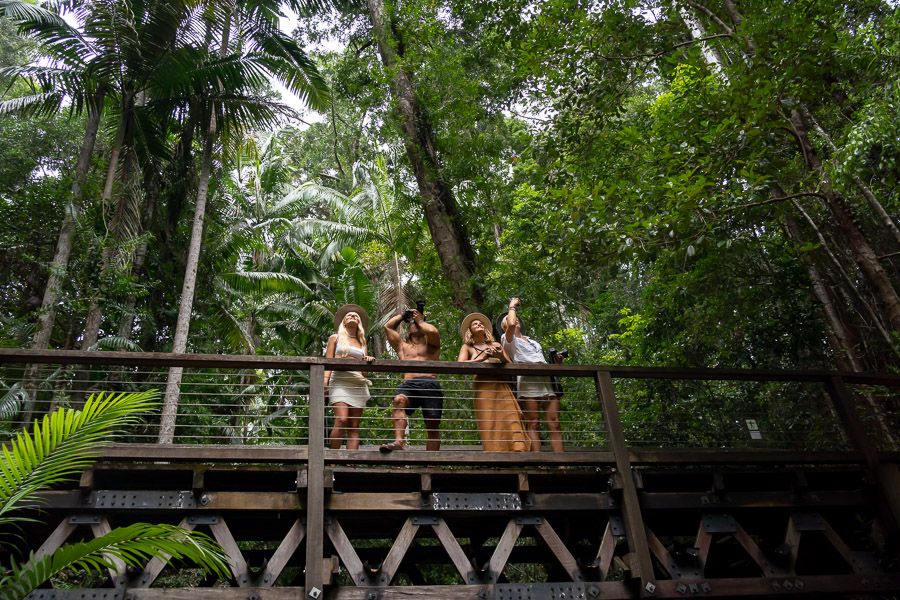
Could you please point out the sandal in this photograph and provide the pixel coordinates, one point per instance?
(391, 446)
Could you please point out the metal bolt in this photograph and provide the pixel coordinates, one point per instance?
(798, 584)
(650, 587)
(776, 586)
(593, 591)
(681, 589)
(705, 588)
(788, 585)
(204, 499)
(253, 596)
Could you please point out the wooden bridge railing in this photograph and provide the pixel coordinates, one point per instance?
(848, 418)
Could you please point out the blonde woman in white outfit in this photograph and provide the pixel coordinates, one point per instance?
(536, 394)
(348, 391)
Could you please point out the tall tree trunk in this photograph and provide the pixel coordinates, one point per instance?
(95, 311)
(183, 322)
(60, 264)
(863, 254)
(186, 304)
(444, 221)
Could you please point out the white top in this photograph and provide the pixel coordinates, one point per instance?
(523, 349)
(349, 352)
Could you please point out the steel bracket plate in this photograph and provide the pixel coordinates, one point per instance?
(425, 520)
(485, 501)
(78, 594)
(138, 500)
(84, 519)
(616, 526)
(203, 519)
(719, 524)
(545, 591)
(529, 520)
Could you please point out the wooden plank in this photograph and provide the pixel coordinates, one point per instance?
(204, 453)
(454, 551)
(215, 593)
(703, 544)
(503, 550)
(397, 552)
(716, 456)
(156, 564)
(236, 560)
(610, 590)
(283, 553)
(345, 550)
(470, 456)
(315, 491)
(631, 509)
(663, 556)
(57, 538)
(560, 551)
(810, 586)
(792, 542)
(605, 552)
(767, 568)
(116, 573)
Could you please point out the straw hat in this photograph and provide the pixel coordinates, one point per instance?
(467, 322)
(342, 312)
(503, 316)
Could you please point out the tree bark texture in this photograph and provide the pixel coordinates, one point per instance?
(444, 221)
(60, 264)
(862, 252)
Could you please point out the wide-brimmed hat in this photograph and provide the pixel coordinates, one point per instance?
(503, 316)
(467, 322)
(347, 308)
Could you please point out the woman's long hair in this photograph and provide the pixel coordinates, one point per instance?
(343, 338)
(468, 340)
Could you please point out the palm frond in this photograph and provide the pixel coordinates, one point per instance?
(134, 545)
(34, 105)
(12, 401)
(115, 342)
(262, 282)
(63, 443)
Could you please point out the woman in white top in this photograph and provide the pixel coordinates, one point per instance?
(348, 391)
(536, 393)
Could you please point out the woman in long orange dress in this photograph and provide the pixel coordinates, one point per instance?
(497, 413)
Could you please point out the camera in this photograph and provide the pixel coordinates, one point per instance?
(553, 353)
(407, 314)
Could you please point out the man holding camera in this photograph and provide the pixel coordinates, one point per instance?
(418, 390)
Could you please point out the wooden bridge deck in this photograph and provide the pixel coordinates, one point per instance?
(301, 521)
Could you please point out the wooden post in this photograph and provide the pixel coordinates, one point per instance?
(641, 565)
(845, 406)
(315, 490)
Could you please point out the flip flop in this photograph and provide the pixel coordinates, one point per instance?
(391, 446)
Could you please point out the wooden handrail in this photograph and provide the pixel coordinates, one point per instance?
(231, 361)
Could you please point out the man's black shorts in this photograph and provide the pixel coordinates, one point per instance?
(424, 393)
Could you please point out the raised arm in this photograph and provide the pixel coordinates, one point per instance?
(509, 336)
(390, 330)
(432, 335)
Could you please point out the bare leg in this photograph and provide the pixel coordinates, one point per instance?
(341, 422)
(551, 416)
(400, 423)
(531, 415)
(353, 427)
(433, 431)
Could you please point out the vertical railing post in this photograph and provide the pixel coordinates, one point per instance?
(888, 502)
(315, 492)
(638, 547)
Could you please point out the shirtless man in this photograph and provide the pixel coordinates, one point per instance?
(418, 390)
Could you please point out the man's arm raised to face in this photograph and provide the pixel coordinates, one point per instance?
(390, 330)
(432, 335)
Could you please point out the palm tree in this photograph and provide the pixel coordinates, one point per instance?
(60, 446)
(258, 46)
(367, 215)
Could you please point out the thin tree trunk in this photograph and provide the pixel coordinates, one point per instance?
(60, 264)
(183, 322)
(867, 193)
(862, 252)
(95, 311)
(444, 222)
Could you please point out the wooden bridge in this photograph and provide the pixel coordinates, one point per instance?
(730, 494)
